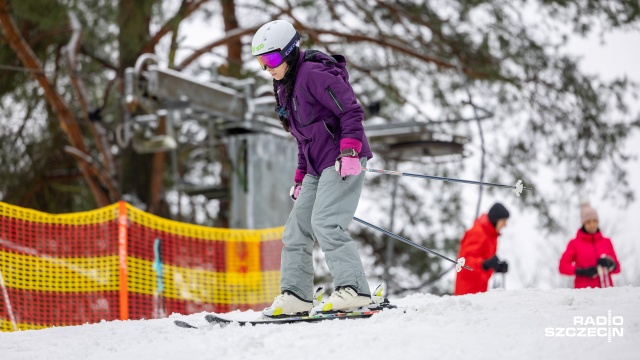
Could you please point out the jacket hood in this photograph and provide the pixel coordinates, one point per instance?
(337, 61)
(329, 61)
(318, 56)
(486, 225)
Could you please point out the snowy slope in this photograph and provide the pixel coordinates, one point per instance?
(495, 325)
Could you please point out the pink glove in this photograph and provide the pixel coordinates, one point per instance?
(348, 166)
(348, 163)
(295, 191)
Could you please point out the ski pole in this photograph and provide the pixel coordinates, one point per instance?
(159, 294)
(607, 279)
(518, 187)
(7, 303)
(459, 264)
(603, 283)
(603, 274)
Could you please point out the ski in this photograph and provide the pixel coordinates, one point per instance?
(358, 314)
(380, 303)
(184, 324)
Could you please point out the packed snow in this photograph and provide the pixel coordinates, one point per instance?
(499, 324)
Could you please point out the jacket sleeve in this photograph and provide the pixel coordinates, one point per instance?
(302, 161)
(299, 176)
(471, 250)
(336, 94)
(567, 260)
(615, 258)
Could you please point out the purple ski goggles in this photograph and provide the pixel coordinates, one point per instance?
(275, 58)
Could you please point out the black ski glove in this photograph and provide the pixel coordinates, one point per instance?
(490, 263)
(587, 272)
(607, 263)
(501, 267)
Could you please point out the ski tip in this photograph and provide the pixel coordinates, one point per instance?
(380, 290)
(215, 319)
(184, 324)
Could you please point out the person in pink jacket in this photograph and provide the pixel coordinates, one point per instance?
(588, 251)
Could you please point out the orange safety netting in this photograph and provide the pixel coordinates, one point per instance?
(119, 262)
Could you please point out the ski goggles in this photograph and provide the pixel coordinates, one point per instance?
(275, 58)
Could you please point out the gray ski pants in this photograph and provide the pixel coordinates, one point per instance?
(322, 212)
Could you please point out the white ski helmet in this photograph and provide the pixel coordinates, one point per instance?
(278, 37)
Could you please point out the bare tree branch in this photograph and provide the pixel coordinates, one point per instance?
(334, 13)
(230, 36)
(97, 130)
(85, 51)
(389, 44)
(94, 168)
(72, 55)
(186, 9)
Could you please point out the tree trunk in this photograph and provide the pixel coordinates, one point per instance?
(234, 48)
(233, 68)
(134, 17)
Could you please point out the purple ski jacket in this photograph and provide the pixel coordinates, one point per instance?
(324, 115)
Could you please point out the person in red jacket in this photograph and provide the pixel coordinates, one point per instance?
(478, 247)
(588, 250)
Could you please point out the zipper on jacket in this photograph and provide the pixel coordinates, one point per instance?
(333, 96)
(595, 250)
(295, 108)
(330, 133)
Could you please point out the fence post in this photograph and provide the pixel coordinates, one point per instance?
(123, 221)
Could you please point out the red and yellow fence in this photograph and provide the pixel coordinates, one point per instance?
(119, 262)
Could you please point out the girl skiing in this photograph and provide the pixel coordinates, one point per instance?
(317, 105)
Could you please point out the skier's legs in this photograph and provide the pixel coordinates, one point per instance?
(297, 261)
(335, 205)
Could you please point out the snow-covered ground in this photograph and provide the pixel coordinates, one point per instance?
(513, 324)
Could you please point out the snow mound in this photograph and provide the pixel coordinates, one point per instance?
(515, 324)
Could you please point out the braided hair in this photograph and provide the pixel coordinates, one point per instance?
(287, 82)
